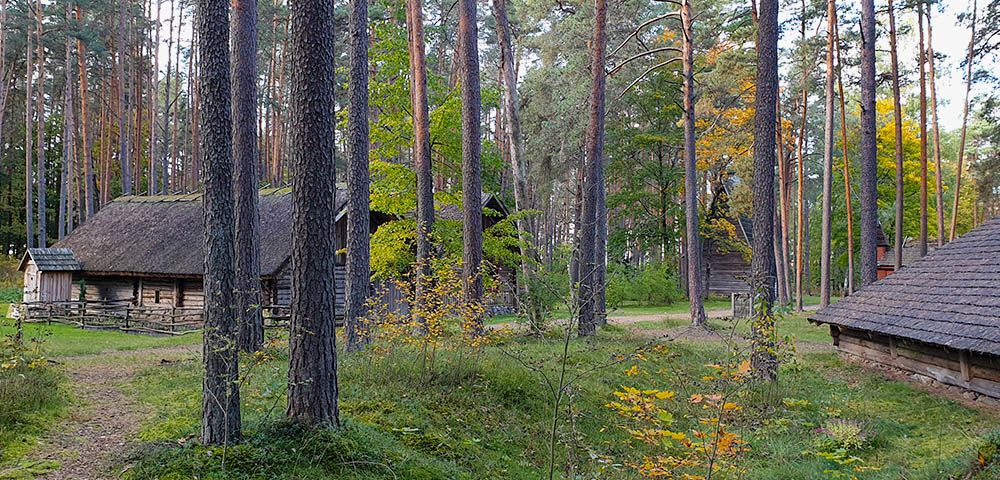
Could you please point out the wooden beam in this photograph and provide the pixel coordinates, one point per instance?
(963, 360)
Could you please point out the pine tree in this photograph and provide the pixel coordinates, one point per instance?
(358, 224)
(312, 371)
(220, 417)
(869, 190)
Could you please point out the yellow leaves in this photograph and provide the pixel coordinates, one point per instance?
(664, 395)
(634, 371)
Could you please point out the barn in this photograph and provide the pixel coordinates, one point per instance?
(937, 317)
(147, 251)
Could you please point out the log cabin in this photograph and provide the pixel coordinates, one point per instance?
(727, 269)
(938, 318)
(147, 250)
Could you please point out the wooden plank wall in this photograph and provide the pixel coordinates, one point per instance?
(725, 273)
(55, 286)
(971, 371)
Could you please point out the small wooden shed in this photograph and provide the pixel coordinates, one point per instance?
(48, 274)
(938, 318)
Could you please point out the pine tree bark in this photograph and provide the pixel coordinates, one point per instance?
(965, 123)
(167, 105)
(154, 115)
(763, 361)
(175, 173)
(472, 181)
(938, 192)
(514, 140)
(825, 241)
(244, 92)
(29, 213)
(358, 235)
(124, 157)
(799, 254)
(594, 177)
(42, 240)
(69, 141)
(90, 186)
(220, 419)
(421, 142)
(312, 372)
(922, 244)
(869, 187)
(897, 110)
(784, 164)
(694, 253)
(847, 168)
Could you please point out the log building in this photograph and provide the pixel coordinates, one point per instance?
(938, 317)
(148, 251)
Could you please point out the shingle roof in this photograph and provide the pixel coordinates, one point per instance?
(164, 235)
(51, 259)
(911, 253)
(950, 298)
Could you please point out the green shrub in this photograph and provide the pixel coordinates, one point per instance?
(651, 284)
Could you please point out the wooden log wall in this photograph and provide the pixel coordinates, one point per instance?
(971, 371)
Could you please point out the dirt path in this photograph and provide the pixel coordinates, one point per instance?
(103, 421)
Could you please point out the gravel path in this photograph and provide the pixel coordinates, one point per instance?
(103, 422)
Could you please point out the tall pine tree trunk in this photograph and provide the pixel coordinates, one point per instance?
(824, 260)
(312, 372)
(594, 176)
(783, 168)
(90, 186)
(358, 224)
(799, 254)
(154, 115)
(167, 105)
(472, 182)
(220, 416)
(922, 244)
(847, 168)
(938, 193)
(42, 240)
(763, 361)
(69, 142)
(248, 298)
(965, 123)
(29, 161)
(514, 140)
(124, 158)
(694, 252)
(421, 141)
(897, 110)
(869, 173)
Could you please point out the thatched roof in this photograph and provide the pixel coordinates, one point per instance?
(163, 235)
(949, 298)
(50, 260)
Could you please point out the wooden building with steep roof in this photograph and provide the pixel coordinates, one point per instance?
(48, 274)
(148, 250)
(937, 317)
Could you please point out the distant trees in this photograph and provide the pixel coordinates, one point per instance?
(965, 122)
(220, 420)
(421, 140)
(897, 110)
(312, 372)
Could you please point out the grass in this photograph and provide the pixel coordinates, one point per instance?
(487, 416)
(59, 340)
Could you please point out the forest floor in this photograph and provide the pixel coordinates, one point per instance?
(134, 412)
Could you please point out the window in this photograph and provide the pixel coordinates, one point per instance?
(156, 296)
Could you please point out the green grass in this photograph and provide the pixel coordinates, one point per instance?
(59, 340)
(488, 416)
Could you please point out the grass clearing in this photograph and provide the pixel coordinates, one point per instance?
(486, 416)
(59, 340)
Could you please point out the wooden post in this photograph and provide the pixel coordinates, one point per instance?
(892, 347)
(963, 358)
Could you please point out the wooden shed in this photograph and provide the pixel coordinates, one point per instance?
(727, 269)
(48, 274)
(938, 318)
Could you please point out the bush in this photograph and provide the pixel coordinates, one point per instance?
(651, 284)
(29, 395)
